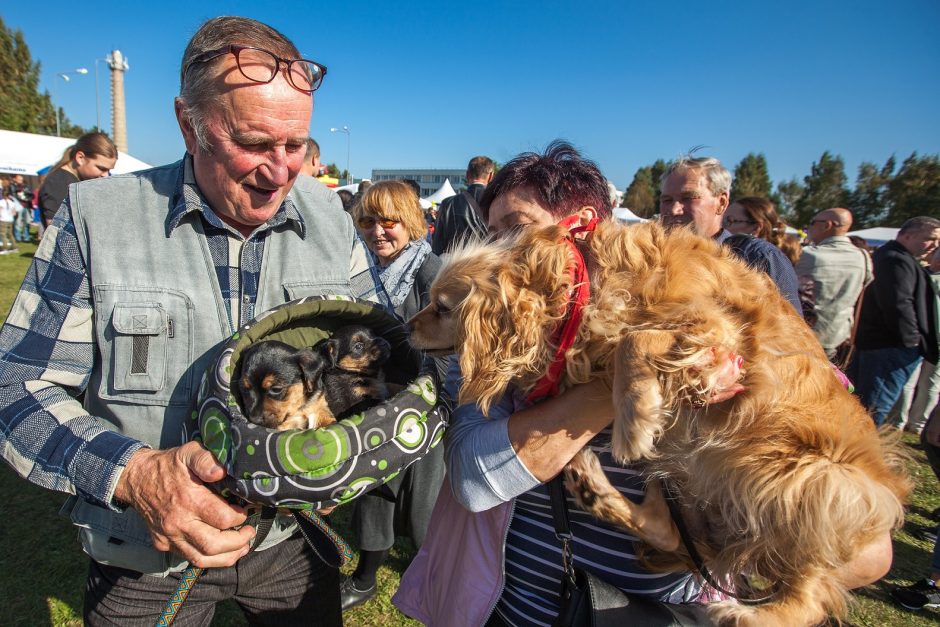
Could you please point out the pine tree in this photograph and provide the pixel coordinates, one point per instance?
(751, 178)
(914, 190)
(22, 107)
(640, 197)
(824, 189)
(868, 201)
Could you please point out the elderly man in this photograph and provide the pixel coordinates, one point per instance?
(131, 317)
(897, 327)
(695, 192)
(838, 271)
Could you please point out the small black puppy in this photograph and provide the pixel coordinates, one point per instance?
(353, 379)
(280, 387)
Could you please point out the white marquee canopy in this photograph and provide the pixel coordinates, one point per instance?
(27, 154)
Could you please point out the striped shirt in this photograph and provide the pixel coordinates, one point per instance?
(533, 553)
(47, 345)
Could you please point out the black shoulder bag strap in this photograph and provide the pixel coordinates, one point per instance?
(671, 501)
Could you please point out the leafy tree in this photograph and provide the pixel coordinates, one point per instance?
(22, 107)
(785, 198)
(640, 196)
(332, 170)
(914, 190)
(751, 178)
(868, 201)
(825, 188)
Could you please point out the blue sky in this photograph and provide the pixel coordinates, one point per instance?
(430, 84)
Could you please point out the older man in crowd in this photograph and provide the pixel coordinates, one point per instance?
(129, 318)
(897, 326)
(838, 271)
(695, 192)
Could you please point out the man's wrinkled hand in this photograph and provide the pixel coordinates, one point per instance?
(167, 488)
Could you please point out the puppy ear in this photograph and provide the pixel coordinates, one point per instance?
(311, 366)
(330, 350)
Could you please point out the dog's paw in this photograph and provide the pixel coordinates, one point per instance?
(732, 614)
(639, 444)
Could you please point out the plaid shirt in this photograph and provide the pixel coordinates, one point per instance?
(47, 347)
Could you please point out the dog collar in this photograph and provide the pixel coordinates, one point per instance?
(568, 331)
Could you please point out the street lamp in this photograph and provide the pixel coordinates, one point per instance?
(97, 98)
(345, 129)
(55, 94)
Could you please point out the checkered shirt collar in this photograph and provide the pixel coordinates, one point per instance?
(190, 200)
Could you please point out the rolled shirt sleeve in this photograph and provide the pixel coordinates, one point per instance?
(484, 468)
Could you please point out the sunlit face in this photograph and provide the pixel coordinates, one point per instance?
(258, 136)
(518, 207)
(736, 220)
(385, 240)
(922, 243)
(93, 167)
(686, 199)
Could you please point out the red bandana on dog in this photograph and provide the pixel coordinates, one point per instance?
(581, 286)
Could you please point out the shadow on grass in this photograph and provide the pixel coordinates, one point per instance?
(42, 566)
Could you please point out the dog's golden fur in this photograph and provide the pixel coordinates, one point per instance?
(784, 482)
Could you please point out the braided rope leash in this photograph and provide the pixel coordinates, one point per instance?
(343, 550)
(191, 575)
(187, 581)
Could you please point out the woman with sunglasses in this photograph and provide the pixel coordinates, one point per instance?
(391, 222)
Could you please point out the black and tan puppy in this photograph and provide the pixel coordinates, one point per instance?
(353, 379)
(280, 387)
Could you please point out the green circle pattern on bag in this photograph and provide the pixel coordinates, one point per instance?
(334, 464)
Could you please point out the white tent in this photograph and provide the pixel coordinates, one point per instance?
(27, 154)
(876, 236)
(446, 191)
(625, 215)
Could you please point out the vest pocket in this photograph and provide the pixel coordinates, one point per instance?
(145, 335)
(140, 339)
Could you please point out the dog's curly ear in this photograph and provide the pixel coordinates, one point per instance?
(510, 314)
(311, 366)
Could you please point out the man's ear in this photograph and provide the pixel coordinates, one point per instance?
(724, 199)
(587, 214)
(186, 126)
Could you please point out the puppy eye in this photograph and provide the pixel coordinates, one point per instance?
(275, 390)
(358, 346)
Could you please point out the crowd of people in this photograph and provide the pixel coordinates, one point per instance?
(102, 349)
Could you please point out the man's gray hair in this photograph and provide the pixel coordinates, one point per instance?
(918, 224)
(716, 175)
(199, 89)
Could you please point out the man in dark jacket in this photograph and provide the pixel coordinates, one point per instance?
(459, 218)
(898, 323)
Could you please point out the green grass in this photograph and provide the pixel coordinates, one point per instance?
(42, 567)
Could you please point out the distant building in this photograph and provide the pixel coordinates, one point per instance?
(429, 179)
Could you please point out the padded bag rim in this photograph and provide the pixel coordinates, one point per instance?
(334, 464)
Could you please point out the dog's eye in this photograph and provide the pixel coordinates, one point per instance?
(442, 310)
(275, 390)
(358, 346)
